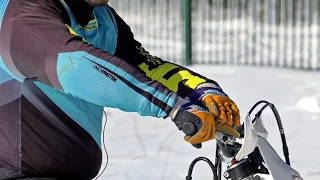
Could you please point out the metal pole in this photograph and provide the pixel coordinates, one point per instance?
(188, 30)
(319, 7)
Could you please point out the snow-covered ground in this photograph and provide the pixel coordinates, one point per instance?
(145, 148)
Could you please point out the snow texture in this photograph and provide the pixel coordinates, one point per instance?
(145, 148)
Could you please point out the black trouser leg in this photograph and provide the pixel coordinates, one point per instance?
(9, 174)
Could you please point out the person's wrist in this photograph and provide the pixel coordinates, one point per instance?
(205, 89)
(208, 85)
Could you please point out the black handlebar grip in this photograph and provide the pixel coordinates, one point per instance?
(190, 129)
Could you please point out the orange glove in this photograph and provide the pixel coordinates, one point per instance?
(186, 113)
(225, 111)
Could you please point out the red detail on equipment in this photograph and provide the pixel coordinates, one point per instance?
(233, 161)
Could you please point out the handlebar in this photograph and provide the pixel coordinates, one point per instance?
(243, 154)
(190, 129)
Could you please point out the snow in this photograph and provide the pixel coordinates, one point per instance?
(309, 104)
(148, 148)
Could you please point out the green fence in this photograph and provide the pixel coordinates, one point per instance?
(282, 33)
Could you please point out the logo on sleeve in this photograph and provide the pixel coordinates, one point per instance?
(105, 73)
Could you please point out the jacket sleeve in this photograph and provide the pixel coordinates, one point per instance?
(36, 44)
(177, 78)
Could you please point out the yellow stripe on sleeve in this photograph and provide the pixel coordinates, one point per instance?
(173, 82)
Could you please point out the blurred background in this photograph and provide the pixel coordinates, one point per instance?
(282, 33)
(255, 49)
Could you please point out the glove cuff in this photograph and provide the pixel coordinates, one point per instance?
(209, 84)
(179, 104)
(205, 89)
